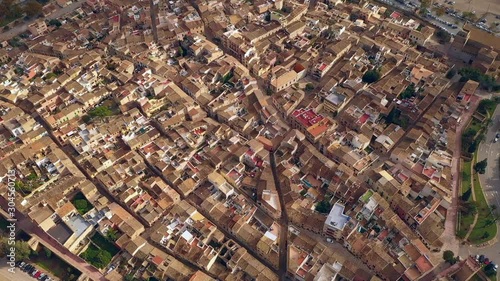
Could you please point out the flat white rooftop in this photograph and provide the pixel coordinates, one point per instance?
(336, 217)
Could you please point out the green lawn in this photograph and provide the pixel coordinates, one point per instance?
(485, 229)
(465, 220)
(367, 195)
(105, 244)
(466, 176)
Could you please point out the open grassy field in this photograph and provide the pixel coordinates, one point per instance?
(485, 228)
(465, 220)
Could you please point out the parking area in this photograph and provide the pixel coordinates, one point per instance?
(31, 273)
(19, 275)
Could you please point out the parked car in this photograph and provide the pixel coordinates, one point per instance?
(481, 258)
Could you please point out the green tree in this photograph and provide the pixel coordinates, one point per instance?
(486, 106)
(443, 36)
(81, 205)
(451, 73)
(469, 15)
(449, 257)
(467, 194)
(480, 167)
(9, 9)
(97, 257)
(468, 208)
(102, 259)
(55, 23)
(468, 138)
(22, 249)
(86, 119)
(32, 8)
(371, 76)
(486, 82)
(48, 253)
(309, 87)
(112, 235)
(408, 92)
(323, 207)
(439, 11)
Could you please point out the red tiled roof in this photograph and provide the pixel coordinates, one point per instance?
(157, 260)
(423, 264)
(363, 118)
(307, 117)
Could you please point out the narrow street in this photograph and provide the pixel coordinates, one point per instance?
(283, 243)
(152, 10)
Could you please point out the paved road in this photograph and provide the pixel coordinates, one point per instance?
(283, 246)
(490, 183)
(398, 6)
(152, 10)
(450, 225)
(18, 29)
